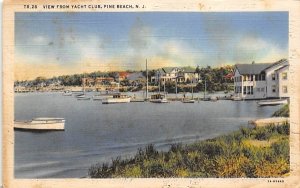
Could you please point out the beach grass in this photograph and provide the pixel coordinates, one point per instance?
(249, 152)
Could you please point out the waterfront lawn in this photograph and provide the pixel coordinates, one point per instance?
(249, 152)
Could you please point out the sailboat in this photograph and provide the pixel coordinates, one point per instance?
(159, 98)
(143, 99)
(185, 100)
(204, 98)
(83, 96)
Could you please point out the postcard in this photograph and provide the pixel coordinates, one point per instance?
(151, 94)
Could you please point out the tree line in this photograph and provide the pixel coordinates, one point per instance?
(215, 79)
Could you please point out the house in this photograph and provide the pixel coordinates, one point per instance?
(136, 78)
(123, 75)
(262, 80)
(179, 74)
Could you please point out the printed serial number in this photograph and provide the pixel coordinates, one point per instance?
(275, 181)
(30, 6)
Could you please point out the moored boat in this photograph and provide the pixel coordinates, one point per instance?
(83, 97)
(272, 102)
(42, 124)
(158, 98)
(117, 98)
(188, 101)
(102, 95)
(67, 93)
(236, 98)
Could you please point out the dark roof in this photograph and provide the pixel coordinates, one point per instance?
(168, 69)
(135, 76)
(256, 68)
(182, 69)
(252, 68)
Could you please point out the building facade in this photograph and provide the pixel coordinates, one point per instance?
(179, 74)
(263, 80)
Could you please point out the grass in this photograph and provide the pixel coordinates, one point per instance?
(249, 152)
(283, 112)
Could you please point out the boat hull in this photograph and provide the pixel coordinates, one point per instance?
(41, 125)
(159, 100)
(115, 100)
(101, 97)
(272, 103)
(188, 101)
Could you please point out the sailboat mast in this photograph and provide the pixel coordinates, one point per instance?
(204, 88)
(158, 82)
(147, 79)
(192, 91)
(119, 84)
(164, 86)
(176, 87)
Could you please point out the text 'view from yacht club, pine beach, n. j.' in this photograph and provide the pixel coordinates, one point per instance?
(151, 95)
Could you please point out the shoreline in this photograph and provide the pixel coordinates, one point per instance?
(249, 152)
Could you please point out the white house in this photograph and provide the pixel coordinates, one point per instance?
(262, 80)
(179, 74)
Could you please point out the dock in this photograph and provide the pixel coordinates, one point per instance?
(269, 121)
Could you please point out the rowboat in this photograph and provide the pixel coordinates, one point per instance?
(43, 123)
(272, 102)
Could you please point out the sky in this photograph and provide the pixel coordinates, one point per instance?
(52, 44)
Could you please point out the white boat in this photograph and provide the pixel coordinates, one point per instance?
(158, 98)
(213, 99)
(117, 98)
(188, 101)
(83, 97)
(236, 98)
(272, 102)
(67, 93)
(44, 123)
(102, 96)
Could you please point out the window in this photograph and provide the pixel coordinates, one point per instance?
(256, 77)
(263, 77)
(273, 76)
(273, 88)
(251, 77)
(284, 76)
(258, 89)
(262, 89)
(251, 90)
(244, 90)
(284, 89)
(248, 90)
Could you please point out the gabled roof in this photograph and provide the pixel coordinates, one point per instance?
(252, 68)
(256, 68)
(182, 69)
(281, 67)
(168, 69)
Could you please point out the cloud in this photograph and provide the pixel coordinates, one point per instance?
(252, 48)
(40, 40)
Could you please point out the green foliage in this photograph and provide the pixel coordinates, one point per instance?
(282, 112)
(228, 156)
